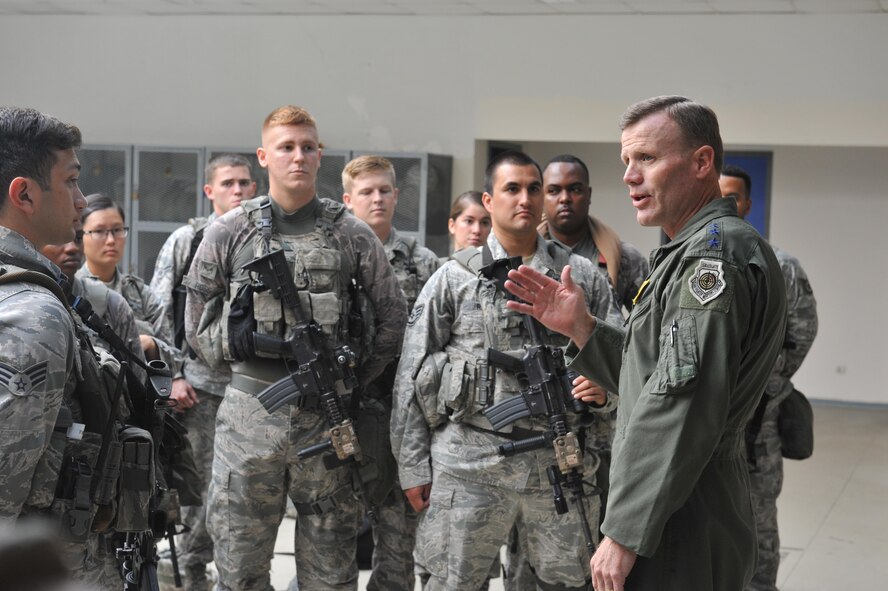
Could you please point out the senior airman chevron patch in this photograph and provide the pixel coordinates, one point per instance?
(21, 382)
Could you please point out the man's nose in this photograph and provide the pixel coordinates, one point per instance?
(631, 176)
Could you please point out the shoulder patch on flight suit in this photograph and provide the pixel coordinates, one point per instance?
(708, 285)
(21, 382)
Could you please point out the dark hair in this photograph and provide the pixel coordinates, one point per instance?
(98, 202)
(697, 122)
(225, 160)
(736, 171)
(28, 142)
(571, 159)
(463, 201)
(507, 157)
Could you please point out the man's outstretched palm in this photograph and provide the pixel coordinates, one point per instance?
(558, 306)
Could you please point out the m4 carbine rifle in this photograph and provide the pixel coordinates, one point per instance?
(149, 402)
(314, 380)
(546, 386)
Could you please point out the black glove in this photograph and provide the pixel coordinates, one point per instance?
(241, 325)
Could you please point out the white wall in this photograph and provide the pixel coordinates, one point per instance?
(440, 84)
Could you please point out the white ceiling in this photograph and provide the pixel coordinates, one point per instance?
(438, 7)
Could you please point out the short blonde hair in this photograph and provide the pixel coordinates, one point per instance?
(289, 115)
(364, 164)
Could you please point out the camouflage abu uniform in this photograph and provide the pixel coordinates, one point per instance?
(146, 308)
(395, 534)
(41, 424)
(195, 547)
(255, 463)
(440, 436)
(37, 358)
(765, 460)
(114, 310)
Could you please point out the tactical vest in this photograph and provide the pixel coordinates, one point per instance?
(322, 272)
(82, 471)
(470, 384)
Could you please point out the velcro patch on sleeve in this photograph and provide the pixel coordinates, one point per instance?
(708, 285)
(207, 269)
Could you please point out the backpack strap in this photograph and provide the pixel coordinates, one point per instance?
(199, 225)
(40, 279)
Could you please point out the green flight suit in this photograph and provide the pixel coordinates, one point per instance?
(690, 369)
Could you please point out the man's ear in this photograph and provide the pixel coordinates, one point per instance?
(486, 200)
(18, 195)
(347, 200)
(704, 161)
(260, 156)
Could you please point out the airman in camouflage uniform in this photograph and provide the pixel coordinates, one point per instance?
(40, 204)
(255, 465)
(764, 455)
(370, 194)
(445, 446)
(153, 325)
(198, 388)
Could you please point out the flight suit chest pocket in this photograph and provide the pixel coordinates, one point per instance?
(678, 361)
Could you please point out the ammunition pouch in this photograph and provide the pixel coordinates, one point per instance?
(427, 386)
(73, 499)
(137, 480)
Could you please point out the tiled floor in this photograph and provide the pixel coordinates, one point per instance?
(833, 511)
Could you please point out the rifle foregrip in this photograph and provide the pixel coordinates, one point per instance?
(315, 449)
(516, 447)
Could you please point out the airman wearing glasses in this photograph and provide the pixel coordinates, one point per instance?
(104, 240)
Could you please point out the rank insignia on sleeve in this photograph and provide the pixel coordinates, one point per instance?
(415, 314)
(708, 281)
(21, 382)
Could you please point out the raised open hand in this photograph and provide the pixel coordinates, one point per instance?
(558, 306)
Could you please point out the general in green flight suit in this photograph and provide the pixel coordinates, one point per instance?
(689, 367)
